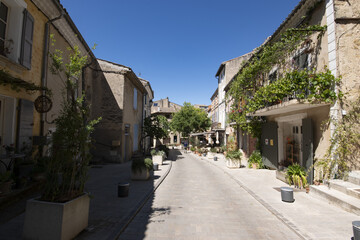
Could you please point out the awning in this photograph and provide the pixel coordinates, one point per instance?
(287, 107)
(201, 133)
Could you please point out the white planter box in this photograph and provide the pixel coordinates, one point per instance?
(58, 221)
(232, 163)
(142, 175)
(158, 159)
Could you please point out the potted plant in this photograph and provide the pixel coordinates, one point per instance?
(296, 175)
(140, 168)
(5, 182)
(157, 156)
(233, 159)
(62, 210)
(255, 160)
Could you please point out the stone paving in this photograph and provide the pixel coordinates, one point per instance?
(108, 214)
(309, 216)
(201, 199)
(198, 201)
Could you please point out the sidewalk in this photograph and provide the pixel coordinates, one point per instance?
(108, 214)
(309, 216)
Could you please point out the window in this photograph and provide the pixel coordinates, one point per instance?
(135, 98)
(175, 139)
(3, 26)
(273, 77)
(301, 61)
(16, 31)
(155, 104)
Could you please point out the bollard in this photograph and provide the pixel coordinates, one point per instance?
(287, 194)
(356, 229)
(123, 189)
(156, 166)
(215, 158)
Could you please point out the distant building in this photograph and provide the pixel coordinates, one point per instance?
(166, 108)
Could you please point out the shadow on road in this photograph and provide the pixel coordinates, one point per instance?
(138, 226)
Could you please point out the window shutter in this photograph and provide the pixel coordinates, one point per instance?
(25, 124)
(27, 40)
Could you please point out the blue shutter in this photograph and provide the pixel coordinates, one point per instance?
(27, 40)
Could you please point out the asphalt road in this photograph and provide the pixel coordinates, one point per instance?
(198, 201)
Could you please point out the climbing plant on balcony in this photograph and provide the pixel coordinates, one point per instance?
(250, 93)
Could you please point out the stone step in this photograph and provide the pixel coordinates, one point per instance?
(354, 177)
(337, 198)
(346, 187)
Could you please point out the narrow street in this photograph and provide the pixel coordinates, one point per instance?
(198, 201)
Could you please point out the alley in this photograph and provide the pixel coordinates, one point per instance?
(198, 201)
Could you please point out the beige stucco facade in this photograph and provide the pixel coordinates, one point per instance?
(166, 108)
(118, 98)
(337, 50)
(20, 122)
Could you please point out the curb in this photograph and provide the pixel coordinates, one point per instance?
(116, 234)
(281, 217)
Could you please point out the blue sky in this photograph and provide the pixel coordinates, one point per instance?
(177, 45)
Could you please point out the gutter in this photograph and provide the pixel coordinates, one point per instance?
(45, 65)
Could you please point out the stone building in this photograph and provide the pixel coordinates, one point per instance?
(166, 108)
(292, 131)
(149, 96)
(118, 97)
(24, 48)
(220, 106)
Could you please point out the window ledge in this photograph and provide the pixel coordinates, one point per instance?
(8, 64)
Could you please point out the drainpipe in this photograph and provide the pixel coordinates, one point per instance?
(44, 66)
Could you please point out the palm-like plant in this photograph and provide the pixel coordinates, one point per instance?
(296, 175)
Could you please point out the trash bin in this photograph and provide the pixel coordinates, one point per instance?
(356, 229)
(215, 158)
(156, 166)
(287, 194)
(123, 189)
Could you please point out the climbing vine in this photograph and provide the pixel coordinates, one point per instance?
(344, 151)
(249, 91)
(17, 84)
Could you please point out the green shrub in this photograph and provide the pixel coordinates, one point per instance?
(192, 149)
(234, 155)
(255, 157)
(213, 150)
(153, 152)
(296, 175)
(138, 164)
(163, 148)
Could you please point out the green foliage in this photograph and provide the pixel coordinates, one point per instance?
(66, 170)
(190, 119)
(153, 152)
(164, 149)
(156, 127)
(296, 175)
(213, 150)
(249, 92)
(344, 151)
(139, 164)
(255, 158)
(18, 84)
(234, 155)
(192, 149)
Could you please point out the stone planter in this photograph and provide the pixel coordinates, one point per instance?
(158, 159)
(142, 175)
(230, 163)
(49, 220)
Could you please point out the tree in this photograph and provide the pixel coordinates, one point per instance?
(190, 119)
(66, 170)
(156, 127)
